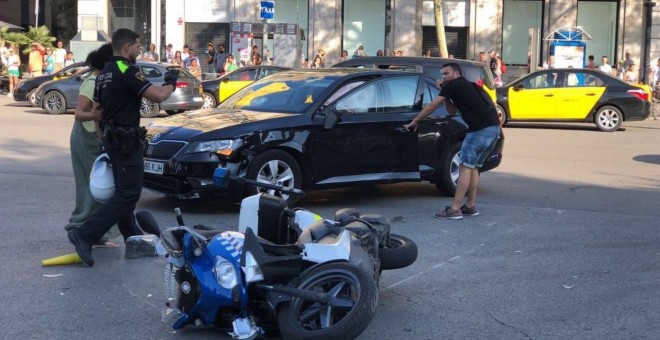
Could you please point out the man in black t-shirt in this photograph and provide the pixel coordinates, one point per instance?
(478, 112)
(119, 89)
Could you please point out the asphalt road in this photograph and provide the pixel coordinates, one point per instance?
(567, 245)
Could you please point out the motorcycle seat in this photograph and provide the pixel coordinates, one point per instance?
(314, 233)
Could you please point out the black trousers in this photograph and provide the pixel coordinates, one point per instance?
(128, 169)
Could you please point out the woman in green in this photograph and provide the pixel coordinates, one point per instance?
(230, 64)
(85, 147)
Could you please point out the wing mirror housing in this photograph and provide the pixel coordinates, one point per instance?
(518, 87)
(331, 118)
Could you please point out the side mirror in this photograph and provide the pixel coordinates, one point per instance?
(78, 78)
(331, 118)
(226, 80)
(518, 87)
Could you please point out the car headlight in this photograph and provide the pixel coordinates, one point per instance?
(225, 273)
(223, 147)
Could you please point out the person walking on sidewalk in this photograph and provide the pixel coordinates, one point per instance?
(119, 89)
(480, 115)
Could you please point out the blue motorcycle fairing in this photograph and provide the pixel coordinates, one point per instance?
(212, 296)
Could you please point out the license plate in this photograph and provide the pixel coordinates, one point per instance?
(153, 167)
(198, 99)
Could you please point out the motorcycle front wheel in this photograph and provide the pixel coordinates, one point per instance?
(401, 252)
(353, 299)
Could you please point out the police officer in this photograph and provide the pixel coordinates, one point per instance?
(119, 89)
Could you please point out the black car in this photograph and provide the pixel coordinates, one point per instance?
(26, 88)
(311, 129)
(215, 93)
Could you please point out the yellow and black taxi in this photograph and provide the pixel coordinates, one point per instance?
(573, 95)
(219, 89)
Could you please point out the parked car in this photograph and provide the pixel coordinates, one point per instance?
(311, 129)
(473, 71)
(26, 88)
(58, 96)
(573, 95)
(219, 89)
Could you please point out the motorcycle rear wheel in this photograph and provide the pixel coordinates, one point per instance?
(399, 253)
(354, 297)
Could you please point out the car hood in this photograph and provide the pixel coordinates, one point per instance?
(213, 123)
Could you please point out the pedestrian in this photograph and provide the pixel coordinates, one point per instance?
(176, 60)
(13, 63)
(478, 112)
(605, 66)
(220, 60)
(620, 70)
(188, 61)
(399, 53)
(84, 143)
(255, 58)
(359, 52)
(68, 60)
(483, 58)
(427, 54)
(169, 53)
(119, 89)
(195, 69)
(49, 61)
(4, 54)
(230, 64)
(591, 64)
(321, 53)
(630, 76)
(379, 53)
(627, 61)
(495, 64)
(654, 77)
(210, 57)
(186, 53)
(316, 63)
(344, 55)
(36, 60)
(151, 54)
(59, 54)
(550, 63)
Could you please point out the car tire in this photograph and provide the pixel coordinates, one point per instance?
(399, 253)
(502, 113)
(209, 101)
(448, 174)
(31, 97)
(173, 112)
(148, 109)
(54, 103)
(608, 118)
(274, 167)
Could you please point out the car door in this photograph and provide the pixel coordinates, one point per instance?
(579, 95)
(534, 97)
(71, 88)
(236, 81)
(369, 143)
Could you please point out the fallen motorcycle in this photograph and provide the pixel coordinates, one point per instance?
(285, 269)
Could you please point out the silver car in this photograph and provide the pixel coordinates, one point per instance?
(58, 96)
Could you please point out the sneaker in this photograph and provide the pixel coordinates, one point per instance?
(83, 249)
(469, 211)
(9, 94)
(450, 214)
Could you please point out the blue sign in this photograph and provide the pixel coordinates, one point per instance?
(267, 9)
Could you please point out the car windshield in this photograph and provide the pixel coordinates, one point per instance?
(282, 92)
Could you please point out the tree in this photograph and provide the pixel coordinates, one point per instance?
(440, 28)
(13, 38)
(39, 35)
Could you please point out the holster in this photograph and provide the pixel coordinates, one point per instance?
(125, 139)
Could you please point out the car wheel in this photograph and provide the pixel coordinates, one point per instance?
(173, 112)
(448, 174)
(608, 118)
(209, 101)
(275, 167)
(148, 109)
(501, 113)
(54, 103)
(32, 98)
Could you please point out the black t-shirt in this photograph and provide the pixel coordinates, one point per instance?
(476, 112)
(119, 89)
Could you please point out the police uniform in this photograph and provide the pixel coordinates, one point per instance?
(119, 89)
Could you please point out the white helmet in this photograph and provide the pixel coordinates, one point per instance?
(101, 180)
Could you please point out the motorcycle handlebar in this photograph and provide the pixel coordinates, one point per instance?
(221, 175)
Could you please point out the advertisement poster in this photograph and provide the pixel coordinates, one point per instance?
(240, 47)
(566, 56)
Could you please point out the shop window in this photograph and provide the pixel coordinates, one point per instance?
(518, 17)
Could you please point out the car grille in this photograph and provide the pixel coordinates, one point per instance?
(163, 184)
(162, 150)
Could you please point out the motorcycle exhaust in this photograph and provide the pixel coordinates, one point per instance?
(294, 292)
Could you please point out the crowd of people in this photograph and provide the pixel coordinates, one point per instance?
(42, 60)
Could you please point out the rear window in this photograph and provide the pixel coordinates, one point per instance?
(181, 72)
(151, 72)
